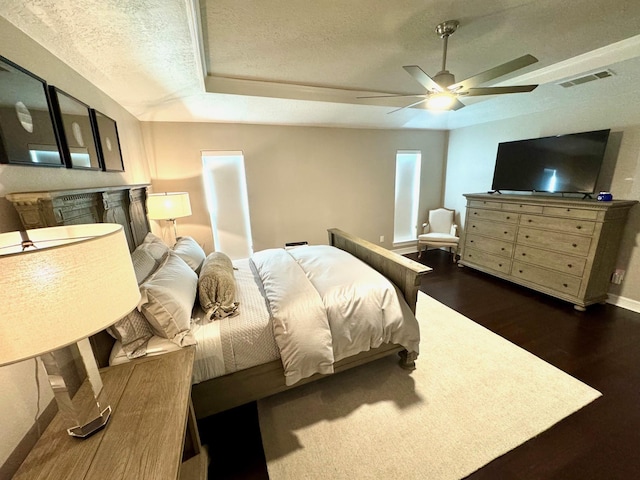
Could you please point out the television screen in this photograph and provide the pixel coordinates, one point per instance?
(563, 164)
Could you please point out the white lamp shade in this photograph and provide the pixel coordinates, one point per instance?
(77, 281)
(168, 206)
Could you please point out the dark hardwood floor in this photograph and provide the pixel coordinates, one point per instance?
(600, 347)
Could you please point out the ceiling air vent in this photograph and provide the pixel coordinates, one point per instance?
(586, 78)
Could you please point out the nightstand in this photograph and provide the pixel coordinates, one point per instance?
(152, 433)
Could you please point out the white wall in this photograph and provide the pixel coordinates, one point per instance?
(301, 180)
(472, 152)
(18, 398)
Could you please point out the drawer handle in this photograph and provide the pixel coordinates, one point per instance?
(529, 220)
(568, 209)
(475, 213)
(520, 271)
(470, 241)
(508, 218)
(473, 226)
(574, 245)
(569, 265)
(526, 236)
(524, 254)
(579, 227)
(499, 264)
(506, 233)
(502, 249)
(565, 285)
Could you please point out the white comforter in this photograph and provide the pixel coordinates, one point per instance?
(327, 305)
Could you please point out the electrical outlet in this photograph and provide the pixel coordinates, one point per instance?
(381, 238)
(617, 276)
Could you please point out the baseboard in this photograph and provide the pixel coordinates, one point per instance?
(405, 250)
(624, 302)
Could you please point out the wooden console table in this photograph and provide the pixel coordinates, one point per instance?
(151, 434)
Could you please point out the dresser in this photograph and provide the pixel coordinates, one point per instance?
(564, 247)
(152, 433)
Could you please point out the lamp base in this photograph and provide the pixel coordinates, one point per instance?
(93, 426)
(77, 387)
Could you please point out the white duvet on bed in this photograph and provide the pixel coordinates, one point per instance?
(309, 306)
(327, 305)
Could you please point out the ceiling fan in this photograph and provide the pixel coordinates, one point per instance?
(443, 91)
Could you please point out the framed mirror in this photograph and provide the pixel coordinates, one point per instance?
(108, 142)
(75, 131)
(27, 131)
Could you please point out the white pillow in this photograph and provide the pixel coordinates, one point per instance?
(155, 246)
(167, 299)
(190, 251)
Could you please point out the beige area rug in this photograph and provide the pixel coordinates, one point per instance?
(473, 397)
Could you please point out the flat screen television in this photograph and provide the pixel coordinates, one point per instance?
(559, 164)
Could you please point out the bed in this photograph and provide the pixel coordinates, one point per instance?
(252, 378)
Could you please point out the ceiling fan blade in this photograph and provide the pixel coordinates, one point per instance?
(408, 106)
(494, 72)
(474, 92)
(457, 105)
(396, 95)
(422, 78)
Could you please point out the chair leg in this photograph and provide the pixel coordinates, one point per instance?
(419, 251)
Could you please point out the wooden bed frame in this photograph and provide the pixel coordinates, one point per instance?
(126, 205)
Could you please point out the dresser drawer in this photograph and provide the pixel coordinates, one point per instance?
(559, 224)
(494, 262)
(485, 204)
(492, 215)
(571, 213)
(521, 208)
(556, 261)
(559, 282)
(501, 231)
(489, 245)
(562, 242)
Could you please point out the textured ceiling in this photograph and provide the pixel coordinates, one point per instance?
(302, 62)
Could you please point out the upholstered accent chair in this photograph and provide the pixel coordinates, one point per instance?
(440, 231)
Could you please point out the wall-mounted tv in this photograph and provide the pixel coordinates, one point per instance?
(559, 164)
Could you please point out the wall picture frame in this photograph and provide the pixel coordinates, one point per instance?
(107, 141)
(27, 126)
(75, 130)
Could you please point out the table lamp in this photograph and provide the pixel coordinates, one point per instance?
(168, 206)
(59, 285)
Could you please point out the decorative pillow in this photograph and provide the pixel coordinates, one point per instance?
(217, 287)
(167, 299)
(190, 251)
(134, 332)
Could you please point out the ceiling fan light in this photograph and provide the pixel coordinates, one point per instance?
(441, 101)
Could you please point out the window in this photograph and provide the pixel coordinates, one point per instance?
(405, 221)
(228, 203)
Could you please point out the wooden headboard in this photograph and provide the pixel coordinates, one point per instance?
(125, 204)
